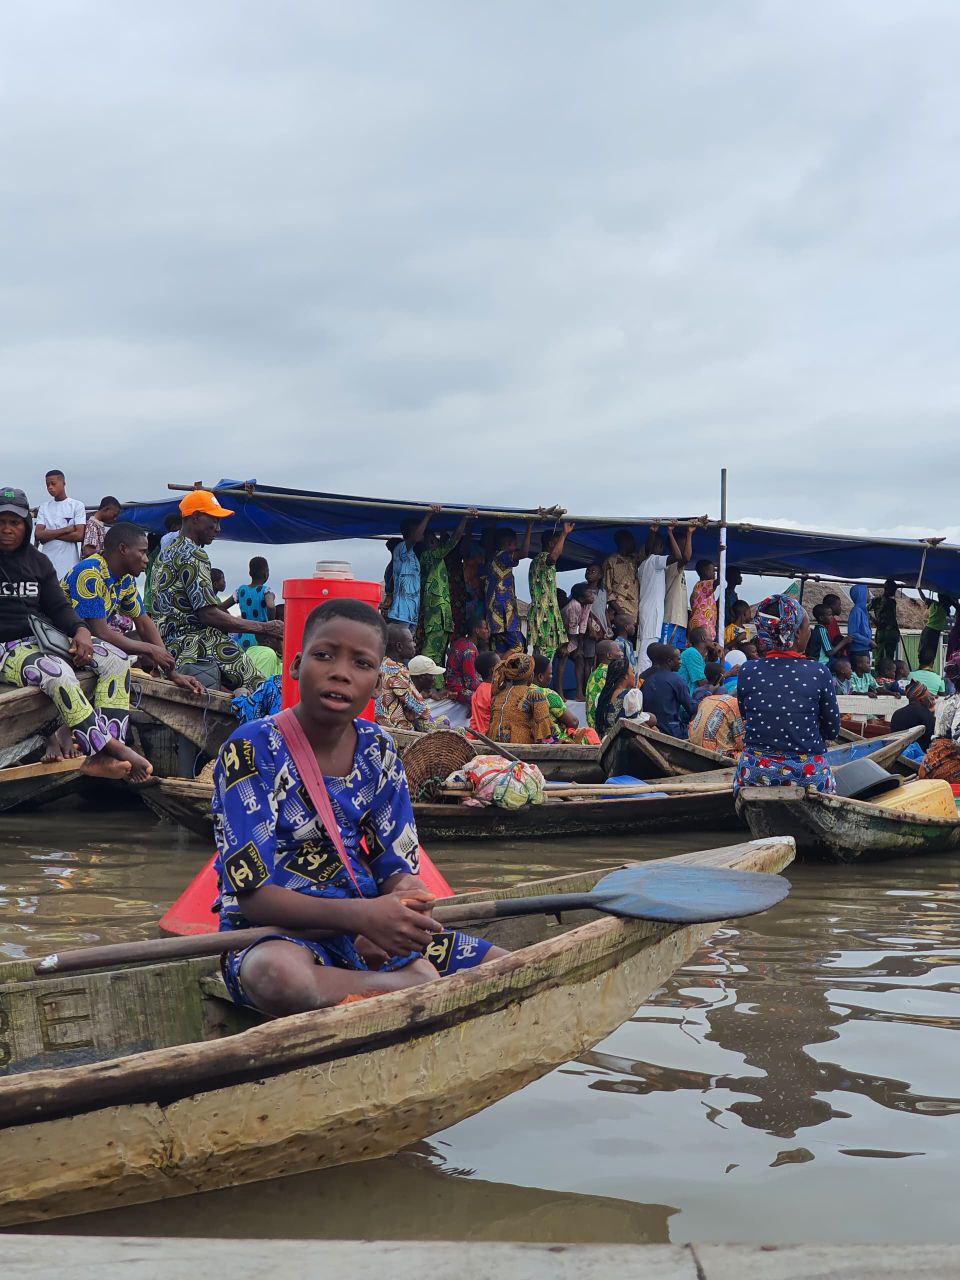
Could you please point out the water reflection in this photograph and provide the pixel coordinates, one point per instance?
(815, 1041)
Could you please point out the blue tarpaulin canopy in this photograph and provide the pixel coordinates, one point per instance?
(268, 515)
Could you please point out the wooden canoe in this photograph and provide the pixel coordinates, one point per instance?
(141, 1083)
(207, 722)
(843, 830)
(643, 752)
(188, 804)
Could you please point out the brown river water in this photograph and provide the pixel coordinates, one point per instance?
(798, 1080)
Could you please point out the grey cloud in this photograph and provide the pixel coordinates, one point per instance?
(515, 253)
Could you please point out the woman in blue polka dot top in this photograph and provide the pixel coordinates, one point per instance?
(788, 704)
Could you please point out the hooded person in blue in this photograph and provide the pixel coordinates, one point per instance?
(858, 624)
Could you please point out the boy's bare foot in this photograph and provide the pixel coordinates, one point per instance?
(103, 766)
(68, 746)
(53, 751)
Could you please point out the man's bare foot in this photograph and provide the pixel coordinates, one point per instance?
(103, 766)
(140, 768)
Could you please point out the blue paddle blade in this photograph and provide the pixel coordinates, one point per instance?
(687, 894)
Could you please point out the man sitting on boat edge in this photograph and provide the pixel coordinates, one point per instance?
(279, 864)
(194, 626)
(103, 587)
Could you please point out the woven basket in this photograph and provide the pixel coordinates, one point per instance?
(432, 758)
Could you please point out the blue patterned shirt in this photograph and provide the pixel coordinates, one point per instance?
(268, 832)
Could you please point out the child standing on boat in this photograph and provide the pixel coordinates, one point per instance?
(278, 863)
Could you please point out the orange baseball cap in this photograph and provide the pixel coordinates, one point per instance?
(202, 502)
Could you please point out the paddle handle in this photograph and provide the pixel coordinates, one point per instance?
(498, 747)
(215, 944)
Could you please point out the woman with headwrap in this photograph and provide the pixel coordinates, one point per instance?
(918, 711)
(943, 755)
(518, 712)
(788, 705)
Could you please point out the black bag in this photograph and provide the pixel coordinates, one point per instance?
(51, 639)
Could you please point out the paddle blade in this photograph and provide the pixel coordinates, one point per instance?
(687, 894)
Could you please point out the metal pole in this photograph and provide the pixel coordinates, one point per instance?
(722, 563)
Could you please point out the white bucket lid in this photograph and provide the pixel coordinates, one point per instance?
(333, 569)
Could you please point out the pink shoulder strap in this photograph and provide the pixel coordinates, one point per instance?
(306, 762)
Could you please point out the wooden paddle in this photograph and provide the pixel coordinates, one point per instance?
(671, 895)
(497, 747)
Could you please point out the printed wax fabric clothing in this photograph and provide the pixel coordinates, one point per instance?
(703, 608)
(399, 704)
(718, 725)
(435, 594)
(458, 591)
(790, 712)
(666, 695)
(622, 584)
(95, 593)
(558, 709)
(520, 713)
(94, 534)
(884, 612)
(264, 700)
(595, 683)
(65, 514)
(405, 601)
(268, 833)
(652, 579)
(462, 680)
(501, 603)
(252, 602)
(544, 623)
(182, 586)
(23, 663)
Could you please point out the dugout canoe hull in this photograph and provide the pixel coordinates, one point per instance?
(195, 1103)
(206, 721)
(188, 805)
(647, 753)
(837, 829)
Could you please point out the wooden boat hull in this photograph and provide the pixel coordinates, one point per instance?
(647, 753)
(713, 810)
(188, 805)
(207, 722)
(308, 1091)
(842, 830)
(558, 762)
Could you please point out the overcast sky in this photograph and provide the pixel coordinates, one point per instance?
(520, 252)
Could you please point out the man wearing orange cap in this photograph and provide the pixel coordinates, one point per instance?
(194, 626)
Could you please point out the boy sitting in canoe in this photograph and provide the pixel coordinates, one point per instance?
(277, 864)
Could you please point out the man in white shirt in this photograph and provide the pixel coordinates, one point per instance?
(653, 589)
(60, 525)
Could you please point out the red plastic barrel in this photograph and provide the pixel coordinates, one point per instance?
(191, 913)
(301, 596)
